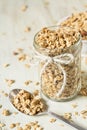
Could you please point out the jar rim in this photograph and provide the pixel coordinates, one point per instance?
(38, 47)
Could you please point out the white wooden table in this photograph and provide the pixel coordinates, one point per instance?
(13, 22)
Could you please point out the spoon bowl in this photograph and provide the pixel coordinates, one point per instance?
(14, 92)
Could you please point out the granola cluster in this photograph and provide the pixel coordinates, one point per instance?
(28, 103)
(79, 22)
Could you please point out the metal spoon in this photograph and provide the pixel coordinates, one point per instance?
(14, 92)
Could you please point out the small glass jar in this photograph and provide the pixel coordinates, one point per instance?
(60, 74)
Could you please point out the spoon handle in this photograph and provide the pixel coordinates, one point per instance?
(73, 124)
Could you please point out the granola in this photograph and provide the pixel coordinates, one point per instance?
(9, 81)
(52, 120)
(28, 103)
(31, 125)
(2, 125)
(79, 22)
(84, 114)
(6, 65)
(24, 8)
(27, 29)
(55, 41)
(6, 112)
(13, 125)
(68, 116)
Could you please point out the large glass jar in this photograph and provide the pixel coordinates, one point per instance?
(60, 75)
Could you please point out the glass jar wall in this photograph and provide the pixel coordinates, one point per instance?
(60, 73)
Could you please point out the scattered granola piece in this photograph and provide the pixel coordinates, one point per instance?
(46, 3)
(84, 117)
(17, 124)
(68, 116)
(83, 111)
(27, 127)
(27, 65)
(33, 125)
(76, 113)
(6, 65)
(22, 57)
(5, 94)
(12, 125)
(20, 50)
(27, 82)
(27, 29)
(52, 120)
(2, 125)
(74, 105)
(9, 81)
(37, 83)
(15, 53)
(6, 112)
(40, 128)
(24, 8)
(84, 114)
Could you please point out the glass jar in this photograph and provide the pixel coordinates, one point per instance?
(60, 75)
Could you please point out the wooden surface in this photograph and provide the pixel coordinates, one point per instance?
(13, 22)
